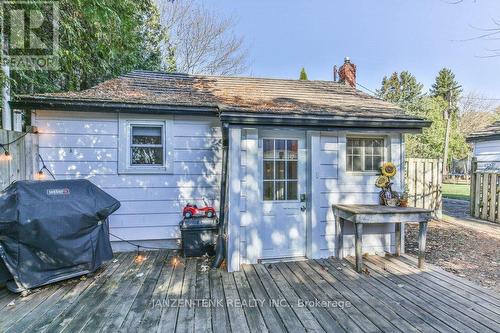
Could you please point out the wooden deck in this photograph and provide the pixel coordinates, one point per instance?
(392, 295)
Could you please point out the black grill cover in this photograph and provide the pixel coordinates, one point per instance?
(53, 230)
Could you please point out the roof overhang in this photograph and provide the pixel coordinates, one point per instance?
(490, 137)
(29, 103)
(324, 121)
(235, 117)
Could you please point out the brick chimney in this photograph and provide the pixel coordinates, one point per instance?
(347, 73)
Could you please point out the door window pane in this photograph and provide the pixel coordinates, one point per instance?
(291, 190)
(280, 169)
(292, 148)
(268, 149)
(268, 169)
(292, 170)
(279, 190)
(280, 149)
(268, 190)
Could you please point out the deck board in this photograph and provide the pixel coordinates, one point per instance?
(393, 295)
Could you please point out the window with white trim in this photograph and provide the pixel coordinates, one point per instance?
(280, 169)
(364, 154)
(145, 146)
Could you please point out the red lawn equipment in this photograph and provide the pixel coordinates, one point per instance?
(192, 210)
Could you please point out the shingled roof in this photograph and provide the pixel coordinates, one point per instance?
(491, 132)
(238, 95)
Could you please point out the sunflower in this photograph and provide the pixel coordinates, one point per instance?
(388, 169)
(382, 181)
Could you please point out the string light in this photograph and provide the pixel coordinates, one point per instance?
(40, 175)
(175, 261)
(6, 156)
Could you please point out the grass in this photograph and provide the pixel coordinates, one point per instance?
(456, 191)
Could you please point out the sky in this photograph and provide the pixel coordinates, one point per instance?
(380, 37)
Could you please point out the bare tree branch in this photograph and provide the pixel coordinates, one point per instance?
(486, 33)
(203, 40)
(475, 112)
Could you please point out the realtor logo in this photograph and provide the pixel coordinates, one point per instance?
(29, 31)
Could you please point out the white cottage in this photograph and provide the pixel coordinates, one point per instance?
(486, 146)
(156, 141)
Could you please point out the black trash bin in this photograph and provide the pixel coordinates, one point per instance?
(199, 235)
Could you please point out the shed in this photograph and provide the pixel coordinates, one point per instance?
(486, 146)
(155, 140)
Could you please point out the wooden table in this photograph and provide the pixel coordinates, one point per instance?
(377, 214)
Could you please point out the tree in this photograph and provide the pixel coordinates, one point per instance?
(405, 90)
(445, 81)
(475, 112)
(430, 144)
(98, 41)
(203, 41)
(402, 89)
(303, 74)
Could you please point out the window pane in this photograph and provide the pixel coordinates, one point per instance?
(291, 191)
(354, 146)
(279, 190)
(369, 149)
(146, 135)
(292, 147)
(349, 163)
(292, 170)
(268, 149)
(377, 162)
(268, 190)
(368, 163)
(357, 164)
(147, 156)
(280, 149)
(268, 170)
(378, 149)
(280, 170)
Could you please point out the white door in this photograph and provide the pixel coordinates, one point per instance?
(283, 190)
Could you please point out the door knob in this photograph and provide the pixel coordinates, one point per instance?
(302, 208)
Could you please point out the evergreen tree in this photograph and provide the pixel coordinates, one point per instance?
(303, 74)
(402, 89)
(445, 80)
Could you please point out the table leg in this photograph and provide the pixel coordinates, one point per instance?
(422, 235)
(398, 239)
(358, 234)
(339, 226)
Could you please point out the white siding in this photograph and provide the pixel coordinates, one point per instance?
(487, 151)
(85, 145)
(331, 184)
(328, 184)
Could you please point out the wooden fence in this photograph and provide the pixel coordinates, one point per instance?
(484, 193)
(424, 183)
(21, 162)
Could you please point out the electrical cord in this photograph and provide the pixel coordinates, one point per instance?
(13, 141)
(140, 246)
(44, 167)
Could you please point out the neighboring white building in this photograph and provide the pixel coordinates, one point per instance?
(486, 146)
(155, 141)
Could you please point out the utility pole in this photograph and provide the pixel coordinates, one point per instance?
(448, 116)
